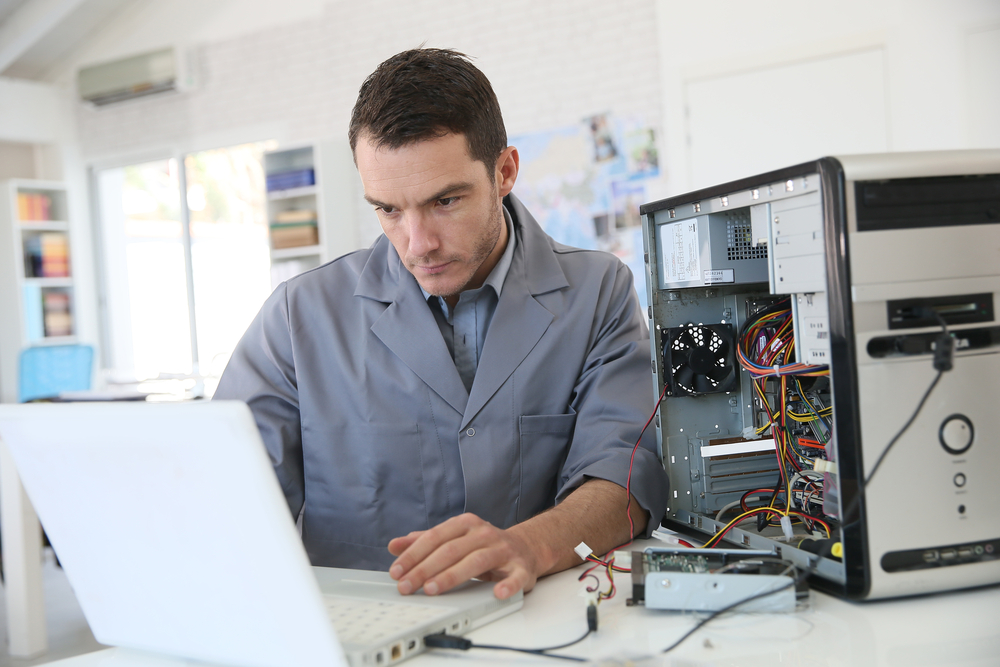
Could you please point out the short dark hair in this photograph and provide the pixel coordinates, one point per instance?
(427, 93)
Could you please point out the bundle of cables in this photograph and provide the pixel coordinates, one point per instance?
(766, 349)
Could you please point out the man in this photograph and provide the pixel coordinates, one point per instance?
(430, 398)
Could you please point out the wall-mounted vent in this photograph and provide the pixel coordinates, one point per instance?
(150, 73)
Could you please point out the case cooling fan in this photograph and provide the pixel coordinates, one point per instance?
(699, 359)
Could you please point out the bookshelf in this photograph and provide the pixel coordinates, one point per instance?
(37, 296)
(311, 191)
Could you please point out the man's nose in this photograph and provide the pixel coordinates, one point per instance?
(424, 238)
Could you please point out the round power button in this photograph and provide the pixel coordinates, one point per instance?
(956, 434)
(960, 480)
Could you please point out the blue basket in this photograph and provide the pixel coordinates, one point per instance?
(46, 371)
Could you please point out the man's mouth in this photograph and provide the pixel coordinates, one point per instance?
(434, 269)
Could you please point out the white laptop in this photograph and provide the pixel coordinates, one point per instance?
(172, 529)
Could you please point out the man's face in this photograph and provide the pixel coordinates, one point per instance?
(439, 208)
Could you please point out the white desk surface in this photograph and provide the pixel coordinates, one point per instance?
(960, 629)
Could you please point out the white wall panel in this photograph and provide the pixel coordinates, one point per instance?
(983, 85)
(773, 117)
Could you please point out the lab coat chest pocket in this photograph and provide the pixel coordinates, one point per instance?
(545, 441)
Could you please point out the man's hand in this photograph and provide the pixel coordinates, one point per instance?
(466, 547)
(459, 549)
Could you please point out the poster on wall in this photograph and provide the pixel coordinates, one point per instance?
(584, 184)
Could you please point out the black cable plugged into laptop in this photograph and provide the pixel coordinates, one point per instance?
(442, 640)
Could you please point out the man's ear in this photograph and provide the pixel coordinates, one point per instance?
(506, 170)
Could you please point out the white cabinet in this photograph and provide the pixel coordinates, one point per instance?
(311, 195)
(37, 299)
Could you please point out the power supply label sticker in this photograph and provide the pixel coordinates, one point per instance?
(680, 252)
(713, 276)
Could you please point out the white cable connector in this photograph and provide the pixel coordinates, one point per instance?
(669, 538)
(821, 465)
(786, 526)
(583, 551)
(623, 559)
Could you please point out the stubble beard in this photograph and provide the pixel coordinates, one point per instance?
(483, 248)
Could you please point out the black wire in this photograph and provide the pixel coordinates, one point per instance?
(902, 430)
(719, 612)
(442, 640)
(540, 651)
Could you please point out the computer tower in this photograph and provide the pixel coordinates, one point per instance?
(794, 318)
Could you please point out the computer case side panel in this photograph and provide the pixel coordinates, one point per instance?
(844, 381)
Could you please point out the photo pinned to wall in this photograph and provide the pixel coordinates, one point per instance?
(622, 226)
(641, 155)
(602, 137)
(584, 184)
(627, 196)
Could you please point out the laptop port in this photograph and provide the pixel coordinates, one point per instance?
(455, 626)
(397, 652)
(411, 645)
(380, 658)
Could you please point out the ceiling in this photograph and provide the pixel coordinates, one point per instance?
(37, 35)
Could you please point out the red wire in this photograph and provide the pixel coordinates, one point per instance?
(628, 481)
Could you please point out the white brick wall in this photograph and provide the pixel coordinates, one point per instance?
(551, 63)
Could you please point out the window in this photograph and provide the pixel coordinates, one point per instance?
(182, 278)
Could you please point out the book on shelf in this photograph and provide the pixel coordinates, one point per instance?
(286, 180)
(58, 318)
(55, 255)
(34, 206)
(46, 255)
(47, 312)
(294, 234)
(297, 215)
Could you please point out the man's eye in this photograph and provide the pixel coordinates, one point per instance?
(385, 209)
(447, 201)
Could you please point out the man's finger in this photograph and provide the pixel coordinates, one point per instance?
(398, 545)
(480, 549)
(518, 580)
(427, 542)
(459, 561)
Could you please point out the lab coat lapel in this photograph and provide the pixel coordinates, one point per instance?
(408, 328)
(519, 320)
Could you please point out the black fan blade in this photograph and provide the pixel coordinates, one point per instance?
(680, 357)
(719, 373)
(702, 384)
(683, 377)
(685, 339)
(723, 351)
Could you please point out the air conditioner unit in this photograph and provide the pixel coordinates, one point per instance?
(160, 71)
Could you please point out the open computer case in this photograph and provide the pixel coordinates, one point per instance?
(794, 317)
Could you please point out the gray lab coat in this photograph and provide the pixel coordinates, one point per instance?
(372, 432)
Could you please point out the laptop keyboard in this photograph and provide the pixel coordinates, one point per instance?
(366, 621)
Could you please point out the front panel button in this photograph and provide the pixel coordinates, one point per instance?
(960, 480)
(956, 434)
